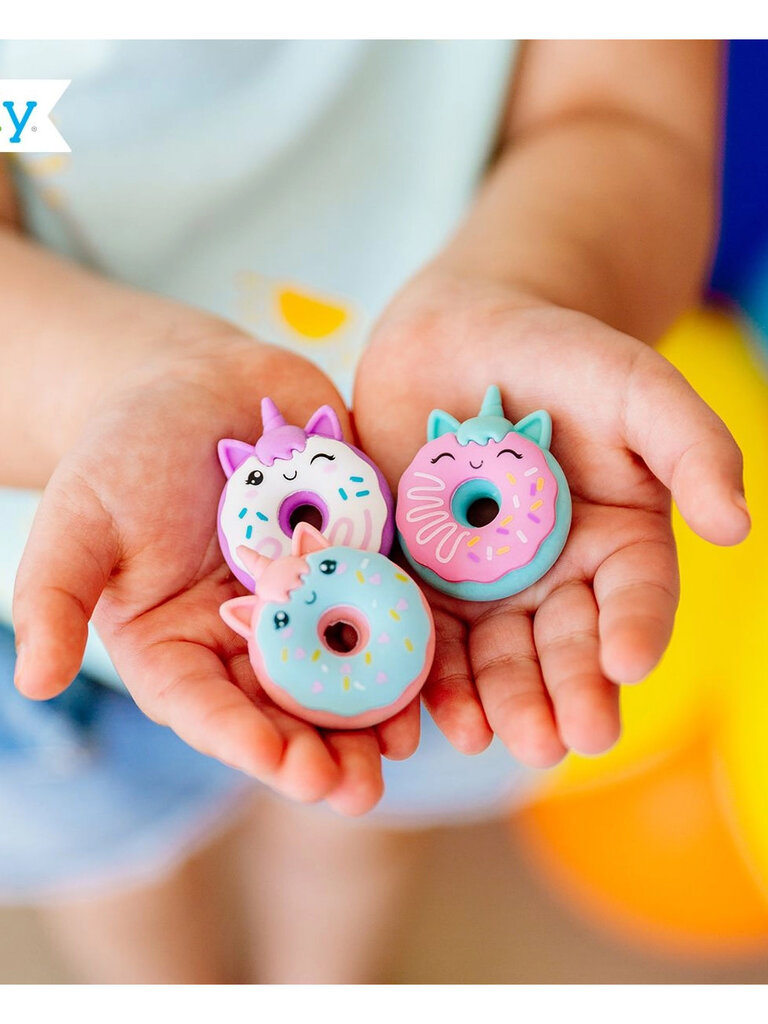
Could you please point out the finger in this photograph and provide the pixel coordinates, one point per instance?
(449, 694)
(399, 736)
(307, 770)
(586, 704)
(357, 755)
(688, 447)
(511, 688)
(70, 553)
(637, 590)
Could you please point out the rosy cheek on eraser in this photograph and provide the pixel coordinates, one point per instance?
(338, 636)
(299, 474)
(484, 509)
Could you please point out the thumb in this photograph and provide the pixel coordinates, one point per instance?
(689, 448)
(67, 561)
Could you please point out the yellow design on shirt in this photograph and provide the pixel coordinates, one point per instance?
(310, 317)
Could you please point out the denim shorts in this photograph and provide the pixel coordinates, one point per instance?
(93, 794)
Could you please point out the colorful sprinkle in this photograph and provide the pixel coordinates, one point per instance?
(317, 687)
(242, 512)
(536, 504)
(400, 576)
(500, 529)
(531, 471)
(356, 479)
(533, 489)
(533, 517)
(299, 654)
(502, 551)
(284, 654)
(340, 568)
(512, 479)
(316, 654)
(522, 536)
(408, 644)
(360, 577)
(384, 638)
(345, 682)
(367, 657)
(506, 520)
(540, 484)
(262, 517)
(323, 668)
(515, 502)
(358, 686)
(402, 605)
(473, 556)
(394, 614)
(375, 578)
(365, 563)
(471, 543)
(248, 532)
(362, 494)
(381, 677)
(489, 552)
(343, 493)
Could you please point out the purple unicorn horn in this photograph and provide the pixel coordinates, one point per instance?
(280, 439)
(271, 417)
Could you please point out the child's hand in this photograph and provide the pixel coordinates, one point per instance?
(539, 668)
(127, 526)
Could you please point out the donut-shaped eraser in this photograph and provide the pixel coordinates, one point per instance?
(484, 509)
(294, 475)
(340, 637)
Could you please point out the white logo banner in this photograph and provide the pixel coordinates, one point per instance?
(25, 109)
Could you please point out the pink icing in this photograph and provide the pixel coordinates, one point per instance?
(460, 552)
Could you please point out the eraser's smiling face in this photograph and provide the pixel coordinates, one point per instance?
(480, 498)
(292, 475)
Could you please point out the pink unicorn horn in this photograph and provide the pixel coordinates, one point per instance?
(270, 415)
(253, 562)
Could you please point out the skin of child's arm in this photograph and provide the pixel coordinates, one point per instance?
(605, 188)
(598, 210)
(113, 400)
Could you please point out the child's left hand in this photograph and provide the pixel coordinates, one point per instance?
(540, 668)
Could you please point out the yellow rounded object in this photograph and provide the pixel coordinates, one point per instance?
(311, 317)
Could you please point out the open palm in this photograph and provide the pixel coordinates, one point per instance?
(540, 668)
(127, 531)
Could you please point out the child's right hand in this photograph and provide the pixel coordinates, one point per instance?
(126, 531)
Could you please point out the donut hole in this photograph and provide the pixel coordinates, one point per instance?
(476, 503)
(302, 507)
(341, 637)
(306, 514)
(343, 630)
(481, 512)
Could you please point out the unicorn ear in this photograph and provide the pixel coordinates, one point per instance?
(440, 423)
(253, 562)
(537, 426)
(238, 614)
(307, 539)
(324, 422)
(233, 454)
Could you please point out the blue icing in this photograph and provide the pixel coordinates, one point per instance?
(396, 645)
